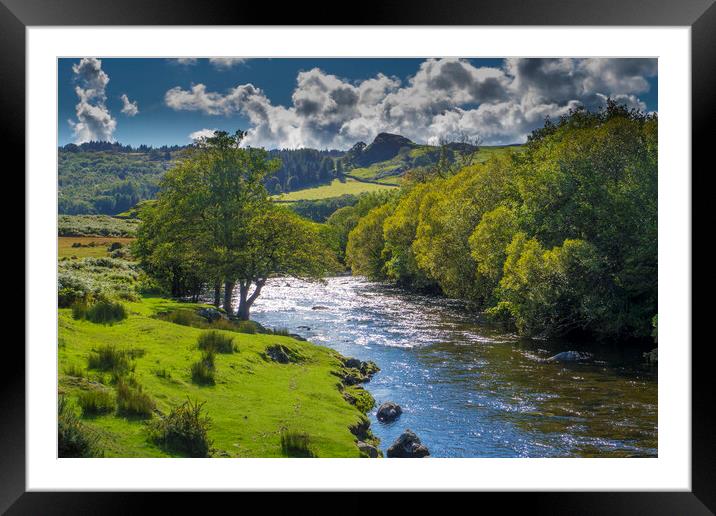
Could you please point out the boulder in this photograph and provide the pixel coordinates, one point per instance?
(388, 412)
(210, 314)
(408, 445)
(368, 450)
(319, 307)
(282, 354)
(569, 356)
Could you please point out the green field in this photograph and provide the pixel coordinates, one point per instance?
(84, 246)
(335, 189)
(253, 401)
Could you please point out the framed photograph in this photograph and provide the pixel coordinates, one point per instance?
(277, 253)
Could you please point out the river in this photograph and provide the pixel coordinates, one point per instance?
(466, 389)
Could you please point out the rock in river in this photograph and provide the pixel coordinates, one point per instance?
(408, 445)
(388, 412)
(569, 356)
(368, 449)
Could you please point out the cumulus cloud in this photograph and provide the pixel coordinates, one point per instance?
(202, 133)
(94, 121)
(444, 98)
(129, 108)
(221, 63)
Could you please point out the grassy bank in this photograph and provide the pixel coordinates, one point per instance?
(253, 401)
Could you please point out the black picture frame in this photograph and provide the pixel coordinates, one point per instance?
(700, 15)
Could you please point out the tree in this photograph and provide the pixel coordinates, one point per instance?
(213, 223)
(278, 242)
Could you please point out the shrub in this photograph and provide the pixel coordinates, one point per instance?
(109, 358)
(79, 310)
(106, 312)
(184, 430)
(185, 317)
(217, 342)
(74, 370)
(132, 400)
(296, 444)
(202, 372)
(163, 373)
(73, 438)
(281, 331)
(96, 402)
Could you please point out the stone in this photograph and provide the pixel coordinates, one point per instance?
(408, 445)
(389, 412)
(368, 449)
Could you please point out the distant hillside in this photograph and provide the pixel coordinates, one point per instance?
(110, 178)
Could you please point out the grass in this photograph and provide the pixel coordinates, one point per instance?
(216, 342)
(252, 400)
(87, 246)
(335, 189)
(296, 444)
(108, 358)
(185, 430)
(203, 372)
(74, 439)
(132, 400)
(94, 402)
(95, 226)
(101, 312)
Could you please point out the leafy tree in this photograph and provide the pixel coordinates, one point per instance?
(213, 223)
(364, 252)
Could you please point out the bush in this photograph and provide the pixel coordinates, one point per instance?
(106, 312)
(96, 402)
(184, 316)
(132, 400)
(295, 444)
(109, 358)
(184, 430)
(73, 438)
(215, 341)
(202, 372)
(74, 370)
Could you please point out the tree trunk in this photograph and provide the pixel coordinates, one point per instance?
(217, 294)
(228, 295)
(245, 301)
(243, 310)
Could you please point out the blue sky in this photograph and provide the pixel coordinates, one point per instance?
(332, 103)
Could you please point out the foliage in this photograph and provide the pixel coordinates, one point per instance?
(109, 358)
(561, 236)
(216, 342)
(184, 430)
(319, 210)
(96, 401)
(296, 444)
(88, 279)
(132, 400)
(73, 438)
(252, 399)
(95, 225)
(213, 223)
(203, 371)
(101, 312)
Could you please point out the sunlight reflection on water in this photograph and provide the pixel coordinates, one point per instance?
(468, 390)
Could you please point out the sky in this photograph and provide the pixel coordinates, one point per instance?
(334, 103)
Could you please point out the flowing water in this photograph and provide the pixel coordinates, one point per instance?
(468, 390)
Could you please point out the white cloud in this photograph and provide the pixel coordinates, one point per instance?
(94, 121)
(129, 108)
(445, 97)
(223, 63)
(202, 133)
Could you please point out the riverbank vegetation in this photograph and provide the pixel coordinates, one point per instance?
(560, 238)
(214, 226)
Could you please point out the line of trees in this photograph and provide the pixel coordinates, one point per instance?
(213, 227)
(559, 239)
